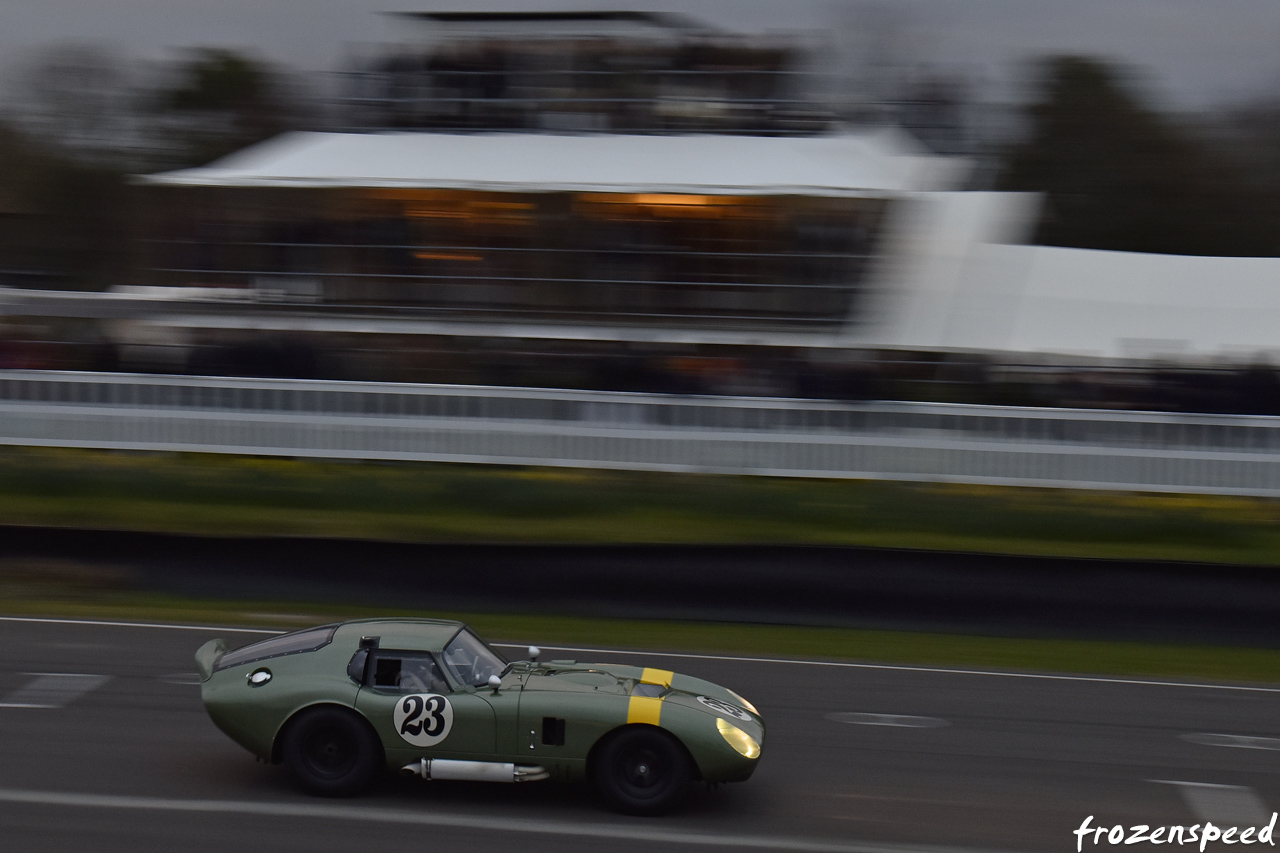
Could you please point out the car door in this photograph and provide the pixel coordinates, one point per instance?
(419, 714)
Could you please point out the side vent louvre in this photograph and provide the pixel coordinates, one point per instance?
(552, 731)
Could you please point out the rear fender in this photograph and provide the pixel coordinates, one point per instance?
(277, 744)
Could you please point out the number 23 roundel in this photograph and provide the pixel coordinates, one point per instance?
(423, 719)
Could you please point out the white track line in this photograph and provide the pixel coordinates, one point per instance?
(138, 625)
(901, 668)
(53, 689)
(735, 658)
(861, 718)
(484, 823)
(1225, 805)
(1232, 741)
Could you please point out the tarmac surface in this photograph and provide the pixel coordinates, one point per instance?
(106, 747)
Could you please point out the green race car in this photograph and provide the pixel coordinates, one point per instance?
(339, 703)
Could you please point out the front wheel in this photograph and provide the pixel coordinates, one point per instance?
(642, 771)
(332, 752)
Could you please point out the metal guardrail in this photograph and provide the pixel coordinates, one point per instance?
(1138, 451)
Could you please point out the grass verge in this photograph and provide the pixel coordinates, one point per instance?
(420, 502)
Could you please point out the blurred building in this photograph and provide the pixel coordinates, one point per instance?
(632, 202)
(685, 231)
(608, 71)
(535, 244)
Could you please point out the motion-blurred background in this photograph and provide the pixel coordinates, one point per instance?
(855, 201)
(984, 243)
(935, 337)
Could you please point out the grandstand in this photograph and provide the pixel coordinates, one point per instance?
(585, 71)
(524, 224)
(693, 232)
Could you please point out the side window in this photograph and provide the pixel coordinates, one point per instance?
(287, 644)
(407, 673)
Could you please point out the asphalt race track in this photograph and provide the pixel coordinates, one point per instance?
(106, 747)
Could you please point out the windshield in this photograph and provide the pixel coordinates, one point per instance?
(471, 661)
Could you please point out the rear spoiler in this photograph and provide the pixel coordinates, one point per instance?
(207, 655)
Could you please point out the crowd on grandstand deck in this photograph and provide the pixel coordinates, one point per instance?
(718, 85)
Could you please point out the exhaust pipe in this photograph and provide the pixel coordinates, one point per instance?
(475, 771)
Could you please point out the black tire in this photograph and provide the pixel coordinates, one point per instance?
(332, 752)
(642, 770)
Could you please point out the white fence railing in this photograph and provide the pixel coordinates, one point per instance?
(1139, 451)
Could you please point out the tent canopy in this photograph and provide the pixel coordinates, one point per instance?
(882, 162)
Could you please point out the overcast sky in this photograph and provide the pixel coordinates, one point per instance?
(1190, 52)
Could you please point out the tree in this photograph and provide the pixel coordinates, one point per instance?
(82, 123)
(63, 220)
(223, 101)
(1249, 133)
(80, 98)
(1118, 175)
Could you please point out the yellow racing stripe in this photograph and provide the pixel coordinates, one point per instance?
(645, 709)
(657, 676)
(648, 709)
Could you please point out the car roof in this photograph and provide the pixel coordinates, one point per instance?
(428, 635)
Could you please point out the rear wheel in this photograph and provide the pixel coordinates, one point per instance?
(332, 752)
(642, 771)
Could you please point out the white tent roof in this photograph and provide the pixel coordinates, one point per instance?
(883, 162)
(958, 280)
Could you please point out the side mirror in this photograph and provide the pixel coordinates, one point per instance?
(534, 651)
(495, 682)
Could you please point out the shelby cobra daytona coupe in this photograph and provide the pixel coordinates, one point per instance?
(338, 704)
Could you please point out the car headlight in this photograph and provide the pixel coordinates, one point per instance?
(743, 743)
(744, 703)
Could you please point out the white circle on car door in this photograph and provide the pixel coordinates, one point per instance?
(423, 719)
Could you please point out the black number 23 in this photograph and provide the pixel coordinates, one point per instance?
(414, 723)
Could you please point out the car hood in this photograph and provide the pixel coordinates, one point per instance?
(622, 679)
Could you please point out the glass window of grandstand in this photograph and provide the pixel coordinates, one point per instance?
(633, 258)
(620, 80)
